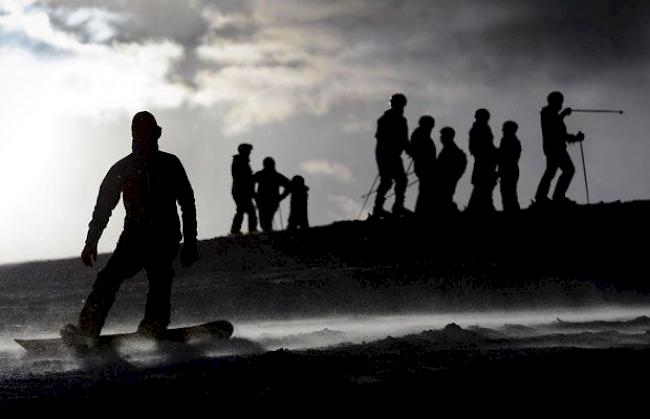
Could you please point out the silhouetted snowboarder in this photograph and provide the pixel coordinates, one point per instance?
(423, 151)
(268, 195)
(509, 154)
(298, 209)
(555, 138)
(243, 189)
(450, 166)
(150, 182)
(484, 175)
(392, 139)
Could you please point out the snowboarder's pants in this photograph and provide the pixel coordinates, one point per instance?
(554, 161)
(391, 169)
(244, 206)
(130, 256)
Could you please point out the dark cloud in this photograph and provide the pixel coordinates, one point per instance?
(573, 39)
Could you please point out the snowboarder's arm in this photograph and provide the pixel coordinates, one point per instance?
(109, 196)
(185, 196)
(189, 252)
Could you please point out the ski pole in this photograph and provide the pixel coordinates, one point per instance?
(598, 111)
(407, 186)
(584, 171)
(374, 190)
(368, 196)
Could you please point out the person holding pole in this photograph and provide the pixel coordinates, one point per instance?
(555, 138)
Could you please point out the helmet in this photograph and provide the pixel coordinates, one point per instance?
(510, 127)
(427, 121)
(398, 100)
(145, 120)
(268, 163)
(447, 132)
(482, 114)
(244, 148)
(555, 98)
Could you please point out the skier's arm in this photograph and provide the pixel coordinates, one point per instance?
(109, 196)
(286, 184)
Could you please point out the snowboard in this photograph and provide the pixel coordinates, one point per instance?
(211, 331)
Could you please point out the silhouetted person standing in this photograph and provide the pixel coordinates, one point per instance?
(450, 166)
(509, 154)
(243, 189)
(423, 151)
(484, 175)
(268, 195)
(151, 183)
(298, 209)
(392, 139)
(555, 138)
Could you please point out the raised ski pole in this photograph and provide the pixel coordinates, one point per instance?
(618, 111)
(584, 171)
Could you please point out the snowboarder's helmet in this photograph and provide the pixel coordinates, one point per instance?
(144, 121)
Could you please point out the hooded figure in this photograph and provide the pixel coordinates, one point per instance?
(484, 175)
(423, 151)
(151, 183)
(299, 196)
(268, 196)
(509, 154)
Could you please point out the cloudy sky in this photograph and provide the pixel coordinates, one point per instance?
(303, 81)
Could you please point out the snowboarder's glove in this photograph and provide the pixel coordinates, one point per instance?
(89, 254)
(189, 254)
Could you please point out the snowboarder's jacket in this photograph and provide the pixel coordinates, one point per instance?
(151, 186)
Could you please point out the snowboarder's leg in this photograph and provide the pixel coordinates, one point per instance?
(160, 275)
(125, 262)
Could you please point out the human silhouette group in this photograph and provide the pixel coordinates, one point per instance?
(152, 183)
(438, 174)
(263, 188)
